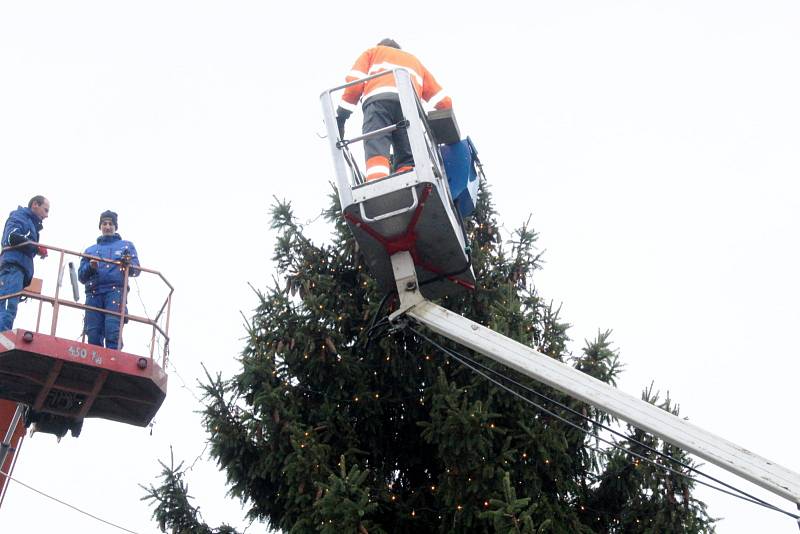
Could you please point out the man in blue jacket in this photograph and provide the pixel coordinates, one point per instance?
(104, 281)
(16, 261)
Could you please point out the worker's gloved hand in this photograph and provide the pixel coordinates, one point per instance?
(15, 239)
(341, 117)
(340, 124)
(41, 251)
(94, 265)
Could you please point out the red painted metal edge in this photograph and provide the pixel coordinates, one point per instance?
(407, 241)
(7, 409)
(64, 350)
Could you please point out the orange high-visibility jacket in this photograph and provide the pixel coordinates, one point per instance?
(382, 58)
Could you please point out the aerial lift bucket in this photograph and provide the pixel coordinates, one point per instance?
(411, 211)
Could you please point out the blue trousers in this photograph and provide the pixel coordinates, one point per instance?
(100, 326)
(11, 281)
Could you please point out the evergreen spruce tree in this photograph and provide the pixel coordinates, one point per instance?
(336, 423)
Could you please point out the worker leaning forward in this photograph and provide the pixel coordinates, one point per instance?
(105, 281)
(381, 105)
(16, 261)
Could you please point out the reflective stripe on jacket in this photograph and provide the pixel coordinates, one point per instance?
(385, 58)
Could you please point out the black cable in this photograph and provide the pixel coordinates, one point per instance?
(381, 327)
(609, 429)
(382, 324)
(65, 503)
(378, 312)
(605, 427)
(744, 496)
(740, 494)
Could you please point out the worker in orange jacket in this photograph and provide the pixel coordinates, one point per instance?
(381, 104)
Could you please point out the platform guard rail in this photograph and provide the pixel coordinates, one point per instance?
(159, 335)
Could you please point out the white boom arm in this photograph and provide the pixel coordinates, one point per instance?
(569, 380)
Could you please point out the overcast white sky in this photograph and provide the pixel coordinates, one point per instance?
(655, 143)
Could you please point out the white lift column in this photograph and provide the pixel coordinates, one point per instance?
(569, 380)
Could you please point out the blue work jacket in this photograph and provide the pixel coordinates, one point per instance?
(107, 276)
(22, 225)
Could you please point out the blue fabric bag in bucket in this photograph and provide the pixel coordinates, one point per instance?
(460, 164)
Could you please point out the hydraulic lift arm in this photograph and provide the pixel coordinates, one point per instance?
(569, 380)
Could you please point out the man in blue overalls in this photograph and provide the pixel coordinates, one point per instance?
(16, 264)
(104, 281)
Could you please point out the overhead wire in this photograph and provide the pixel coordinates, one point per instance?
(100, 519)
(741, 494)
(146, 313)
(170, 363)
(601, 425)
(476, 367)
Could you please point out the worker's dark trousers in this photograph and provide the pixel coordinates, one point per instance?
(379, 114)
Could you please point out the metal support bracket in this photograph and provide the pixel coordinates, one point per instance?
(405, 275)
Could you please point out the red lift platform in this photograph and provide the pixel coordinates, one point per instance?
(63, 382)
(60, 382)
